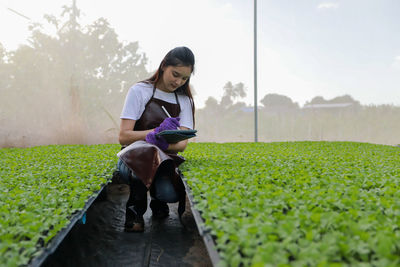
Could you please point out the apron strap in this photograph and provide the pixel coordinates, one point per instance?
(177, 100)
(152, 96)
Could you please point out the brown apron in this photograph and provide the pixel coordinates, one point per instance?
(145, 160)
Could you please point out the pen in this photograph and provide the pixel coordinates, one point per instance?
(169, 116)
(166, 112)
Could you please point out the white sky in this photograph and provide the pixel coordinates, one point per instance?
(305, 48)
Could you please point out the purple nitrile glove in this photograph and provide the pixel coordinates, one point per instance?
(168, 124)
(159, 141)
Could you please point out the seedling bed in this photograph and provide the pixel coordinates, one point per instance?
(298, 203)
(45, 191)
(204, 232)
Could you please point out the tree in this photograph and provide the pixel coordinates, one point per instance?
(317, 100)
(211, 103)
(73, 82)
(232, 92)
(344, 99)
(3, 69)
(4, 84)
(278, 101)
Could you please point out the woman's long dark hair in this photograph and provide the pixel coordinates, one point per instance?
(179, 56)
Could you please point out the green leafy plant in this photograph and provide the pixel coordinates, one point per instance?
(41, 188)
(299, 203)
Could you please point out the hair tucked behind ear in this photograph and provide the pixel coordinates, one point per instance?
(179, 56)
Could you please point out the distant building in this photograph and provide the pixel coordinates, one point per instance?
(330, 105)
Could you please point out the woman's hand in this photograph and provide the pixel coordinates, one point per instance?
(168, 124)
(159, 141)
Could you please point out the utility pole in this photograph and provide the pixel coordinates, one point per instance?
(74, 15)
(76, 124)
(255, 74)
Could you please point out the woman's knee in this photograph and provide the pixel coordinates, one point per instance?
(124, 171)
(164, 190)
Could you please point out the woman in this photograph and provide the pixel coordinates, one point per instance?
(150, 163)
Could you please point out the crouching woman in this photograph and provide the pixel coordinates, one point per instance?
(162, 102)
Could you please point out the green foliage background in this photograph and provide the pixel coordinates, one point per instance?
(299, 203)
(41, 188)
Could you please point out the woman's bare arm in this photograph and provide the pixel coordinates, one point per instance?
(127, 135)
(181, 145)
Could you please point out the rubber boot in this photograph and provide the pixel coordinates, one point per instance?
(159, 209)
(136, 207)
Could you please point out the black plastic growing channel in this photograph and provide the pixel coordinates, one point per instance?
(56, 241)
(203, 232)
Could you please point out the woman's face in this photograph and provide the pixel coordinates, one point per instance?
(174, 77)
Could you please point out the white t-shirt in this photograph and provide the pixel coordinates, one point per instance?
(138, 96)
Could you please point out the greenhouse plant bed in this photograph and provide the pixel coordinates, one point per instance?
(298, 203)
(45, 191)
(203, 231)
(77, 217)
